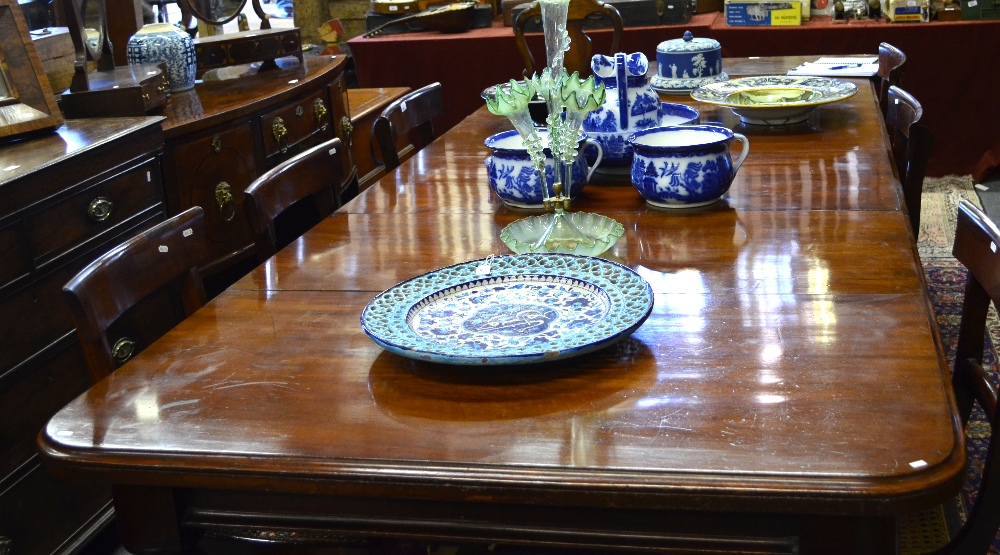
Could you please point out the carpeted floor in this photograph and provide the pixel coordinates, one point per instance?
(946, 282)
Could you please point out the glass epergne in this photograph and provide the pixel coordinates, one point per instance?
(569, 99)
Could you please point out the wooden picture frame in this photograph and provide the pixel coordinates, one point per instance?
(27, 104)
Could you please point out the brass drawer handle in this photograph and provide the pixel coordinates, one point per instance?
(123, 350)
(320, 110)
(216, 144)
(99, 209)
(224, 198)
(279, 131)
(345, 127)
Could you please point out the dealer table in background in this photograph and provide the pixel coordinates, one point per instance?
(950, 68)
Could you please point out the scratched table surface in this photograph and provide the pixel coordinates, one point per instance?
(787, 394)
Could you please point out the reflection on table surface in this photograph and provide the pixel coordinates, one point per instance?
(789, 370)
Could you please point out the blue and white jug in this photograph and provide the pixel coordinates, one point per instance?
(630, 105)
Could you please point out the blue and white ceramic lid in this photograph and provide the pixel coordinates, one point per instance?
(688, 44)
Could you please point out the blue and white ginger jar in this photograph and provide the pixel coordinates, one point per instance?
(163, 42)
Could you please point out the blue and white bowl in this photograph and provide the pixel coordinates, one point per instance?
(684, 167)
(617, 152)
(163, 42)
(513, 178)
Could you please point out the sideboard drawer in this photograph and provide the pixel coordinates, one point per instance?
(287, 126)
(212, 172)
(95, 210)
(16, 263)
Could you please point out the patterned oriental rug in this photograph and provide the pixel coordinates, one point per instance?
(946, 285)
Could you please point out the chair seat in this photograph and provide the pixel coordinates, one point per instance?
(931, 529)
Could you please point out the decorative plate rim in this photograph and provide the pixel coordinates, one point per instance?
(657, 82)
(832, 90)
(384, 318)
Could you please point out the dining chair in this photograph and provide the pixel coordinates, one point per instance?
(976, 238)
(138, 290)
(580, 47)
(910, 142)
(889, 74)
(408, 117)
(293, 196)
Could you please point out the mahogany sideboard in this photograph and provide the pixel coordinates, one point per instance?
(225, 132)
(364, 106)
(65, 198)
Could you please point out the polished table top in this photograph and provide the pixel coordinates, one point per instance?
(790, 366)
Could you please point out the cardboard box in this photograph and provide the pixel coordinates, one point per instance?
(908, 11)
(774, 14)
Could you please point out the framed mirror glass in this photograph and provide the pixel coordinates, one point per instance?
(27, 105)
(216, 12)
(94, 28)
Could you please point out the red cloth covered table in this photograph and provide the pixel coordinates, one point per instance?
(951, 69)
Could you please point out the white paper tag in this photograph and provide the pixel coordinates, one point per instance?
(993, 246)
(402, 106)
(332, 151)
(918, 464)
(973, 4)
(149, 177)
(187, 232)
(163, 248)
(484, 268)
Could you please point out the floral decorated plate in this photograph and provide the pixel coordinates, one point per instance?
(510, 310)
(775, 100)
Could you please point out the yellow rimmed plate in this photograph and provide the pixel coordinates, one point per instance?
(775, 99)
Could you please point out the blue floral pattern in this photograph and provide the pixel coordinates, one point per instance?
(526, 308)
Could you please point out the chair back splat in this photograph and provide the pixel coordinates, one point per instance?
(312, 176)
(911, 146)
(410, 115)
(159, 263)
(890, 72)
(580, 47)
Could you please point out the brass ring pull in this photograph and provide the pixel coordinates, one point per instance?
(320, 110)
(224, 198)
(99, 209)
(279, 131)
(216, 144)
(123, 350)
(345, 126)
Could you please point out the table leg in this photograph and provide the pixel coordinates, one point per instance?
(147, 520)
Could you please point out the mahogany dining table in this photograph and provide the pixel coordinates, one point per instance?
(788, 393)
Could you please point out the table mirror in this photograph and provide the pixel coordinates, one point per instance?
(26, 101)
(108, 91)
(243, 47)
(88, 29)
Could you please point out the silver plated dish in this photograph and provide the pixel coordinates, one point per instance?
(776, 99)
(510, 310)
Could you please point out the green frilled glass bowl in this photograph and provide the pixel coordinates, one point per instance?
(522, 236)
